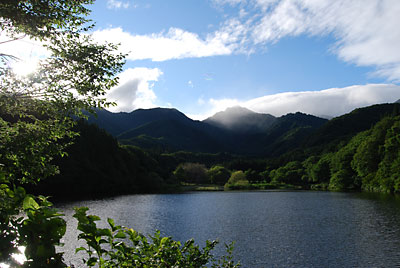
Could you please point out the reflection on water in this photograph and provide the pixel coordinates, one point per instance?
(271, 229)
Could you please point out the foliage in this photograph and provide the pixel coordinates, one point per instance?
(368, 160)
(291, 173)
(343, 128)
(237, 176)
(118, 246)
(253, 176)
(237, 180)
(41, 232)
(192, 173)
(97, 166)
(42, 19)
(218, 175)
(388, 173)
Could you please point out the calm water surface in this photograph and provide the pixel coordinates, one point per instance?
(271, 229)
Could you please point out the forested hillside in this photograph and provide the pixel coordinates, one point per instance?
(344, 127)
(369, 161)
(235, 131)
(96, 165)
(357, 151)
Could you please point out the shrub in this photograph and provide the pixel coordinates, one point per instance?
(237, 181)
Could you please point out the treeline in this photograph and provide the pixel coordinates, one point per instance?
(369, 161)
(96, 165)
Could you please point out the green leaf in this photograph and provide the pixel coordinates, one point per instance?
(164, 240)
(111, 223)
(120, 234)
(91, 261)
(30, 203)
(80, 249)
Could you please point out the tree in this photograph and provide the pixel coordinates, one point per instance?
(388, 173)
(253, 176)
(291, 173)
(191, 172)
(36, 116)
(237, 180)
(218, 174)
(343, 176)
(317, 169)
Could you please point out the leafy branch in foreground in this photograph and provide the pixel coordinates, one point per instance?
(119, 246)
(36, 116)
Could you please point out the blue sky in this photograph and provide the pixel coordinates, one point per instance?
(324, 57)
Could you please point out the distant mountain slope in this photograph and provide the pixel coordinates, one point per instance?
(175, 135)
(398, 101)
(286, 133)
(241, 120)
(117, 123)
(246, 132)
(344, 127)
(237, 130)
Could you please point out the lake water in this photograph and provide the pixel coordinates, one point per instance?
(271, 229)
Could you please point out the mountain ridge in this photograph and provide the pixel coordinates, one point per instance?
(169, 130)
(241, 120)
(165, 129)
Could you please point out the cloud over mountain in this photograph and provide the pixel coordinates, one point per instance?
(326, 103)
(134, 90)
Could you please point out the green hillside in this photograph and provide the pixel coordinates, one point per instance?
(342, 128)
(168, 130)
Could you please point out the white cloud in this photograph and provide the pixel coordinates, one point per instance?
(174, 44)
(329, 102)
(230, 2)
(214, 107)
(114, 4)
(222, 104)
(366, 32)
(134, 90)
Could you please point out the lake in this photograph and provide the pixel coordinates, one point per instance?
(271, 228)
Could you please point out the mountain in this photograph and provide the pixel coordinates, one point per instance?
(286, 133)
(343, 128)
(241, 120)
(175, 135)
(398, 101)
(236, 130)
(117, 123)
(162, 129)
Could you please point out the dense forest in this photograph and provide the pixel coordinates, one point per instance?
(357, 151)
